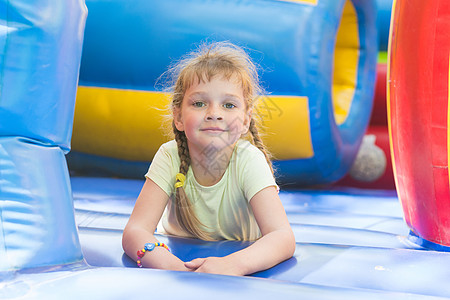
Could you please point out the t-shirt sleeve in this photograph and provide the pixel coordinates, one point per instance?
(256, 174)
(162, 171)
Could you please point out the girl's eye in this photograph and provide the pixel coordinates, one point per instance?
(229, 105)
(198, 104)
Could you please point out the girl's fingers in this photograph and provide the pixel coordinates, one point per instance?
(194, 264)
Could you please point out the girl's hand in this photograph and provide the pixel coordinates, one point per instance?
(214, 265)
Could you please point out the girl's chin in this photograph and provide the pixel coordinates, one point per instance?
(214, 145)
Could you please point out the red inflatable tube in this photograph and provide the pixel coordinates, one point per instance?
(379, 115)
(418, 100)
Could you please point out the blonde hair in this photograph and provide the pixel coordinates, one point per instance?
(209, 60)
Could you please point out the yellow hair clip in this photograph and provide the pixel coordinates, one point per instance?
(180, 179)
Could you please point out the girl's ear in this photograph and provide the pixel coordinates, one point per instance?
(177, 119)
(247, 119)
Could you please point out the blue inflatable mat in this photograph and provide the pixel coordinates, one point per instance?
(347, 239)
(351, 244)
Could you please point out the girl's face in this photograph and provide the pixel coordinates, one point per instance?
(213, 115)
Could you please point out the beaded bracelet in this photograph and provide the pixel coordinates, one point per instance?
(147, 248)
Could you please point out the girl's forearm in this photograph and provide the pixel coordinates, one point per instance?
(268, 251)
(134, 239)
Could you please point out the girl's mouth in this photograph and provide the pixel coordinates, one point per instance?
(213, 129)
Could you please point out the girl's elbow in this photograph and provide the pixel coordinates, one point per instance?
(292, 249)
(127, 238)
(291, 245)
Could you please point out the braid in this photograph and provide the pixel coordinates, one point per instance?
(185, 213)
(257, 141)
(183, 150)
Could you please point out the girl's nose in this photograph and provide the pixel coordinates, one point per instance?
(213, 114)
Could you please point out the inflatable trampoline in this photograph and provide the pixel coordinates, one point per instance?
(61, 224)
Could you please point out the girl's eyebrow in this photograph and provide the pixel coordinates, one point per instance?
(233, 96)
(226, 96)
(197, 94)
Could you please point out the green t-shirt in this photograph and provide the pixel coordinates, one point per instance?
(223, 208)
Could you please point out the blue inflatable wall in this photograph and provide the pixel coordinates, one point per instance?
(40, 52)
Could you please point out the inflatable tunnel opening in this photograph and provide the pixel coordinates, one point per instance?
(346, 59)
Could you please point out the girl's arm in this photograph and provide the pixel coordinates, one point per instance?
(276, 244)
(142, 224)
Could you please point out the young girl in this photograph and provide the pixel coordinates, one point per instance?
(210, 182)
